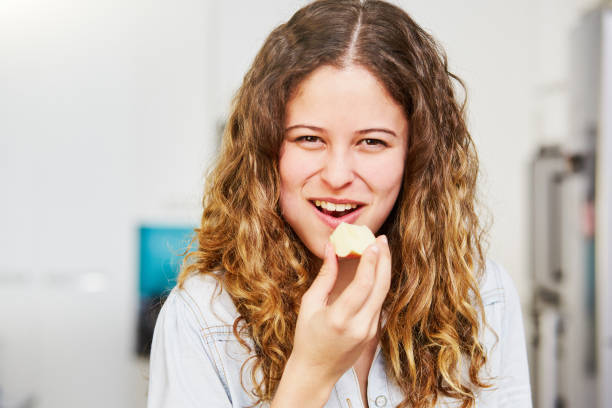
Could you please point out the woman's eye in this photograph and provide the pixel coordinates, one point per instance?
(308, 139)
(373, 142)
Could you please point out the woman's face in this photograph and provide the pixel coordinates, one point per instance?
(342, 158)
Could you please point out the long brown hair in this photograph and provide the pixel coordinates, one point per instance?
(433, 310)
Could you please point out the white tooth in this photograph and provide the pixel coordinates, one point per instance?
(331, 206)
(317, 203)
(341, 207)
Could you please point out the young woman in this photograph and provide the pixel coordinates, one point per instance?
(347, 114)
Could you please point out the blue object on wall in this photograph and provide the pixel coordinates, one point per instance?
(161, 255)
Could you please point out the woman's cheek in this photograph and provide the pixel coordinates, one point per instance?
(386, 171)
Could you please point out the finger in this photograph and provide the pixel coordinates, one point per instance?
(326, 278)
(357, 292)
(382, 281)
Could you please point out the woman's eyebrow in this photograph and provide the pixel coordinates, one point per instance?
(315, 128)
(384, 130)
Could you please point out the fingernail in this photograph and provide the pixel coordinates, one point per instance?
(384, 239)
(374, 249)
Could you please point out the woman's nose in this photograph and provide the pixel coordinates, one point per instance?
(338, 170)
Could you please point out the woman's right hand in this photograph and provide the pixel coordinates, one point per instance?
(330, 333)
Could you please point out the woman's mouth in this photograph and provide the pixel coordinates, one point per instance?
(336, 210)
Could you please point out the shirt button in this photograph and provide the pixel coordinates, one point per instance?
(381, 401)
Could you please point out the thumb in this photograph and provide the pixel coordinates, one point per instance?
(325, 280)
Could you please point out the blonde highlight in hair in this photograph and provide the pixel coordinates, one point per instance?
(433, 311)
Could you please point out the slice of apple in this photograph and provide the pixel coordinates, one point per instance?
(351, 240)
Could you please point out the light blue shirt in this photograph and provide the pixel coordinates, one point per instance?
(196, 360)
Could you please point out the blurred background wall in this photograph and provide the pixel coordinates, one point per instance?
(109, 114)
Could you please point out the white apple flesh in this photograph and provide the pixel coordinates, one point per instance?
(351, 240)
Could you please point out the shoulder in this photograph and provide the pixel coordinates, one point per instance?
(496, 285)
(502, 308)
(502, 313)
(202, 295)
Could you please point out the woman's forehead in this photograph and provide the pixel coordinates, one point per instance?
(351, 95)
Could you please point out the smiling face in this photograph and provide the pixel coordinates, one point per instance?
(342, 158)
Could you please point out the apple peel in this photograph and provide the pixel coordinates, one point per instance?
(351, 240)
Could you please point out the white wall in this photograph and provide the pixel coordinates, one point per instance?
(107, 119)
(103, 124)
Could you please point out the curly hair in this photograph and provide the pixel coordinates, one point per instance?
(433, 310)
